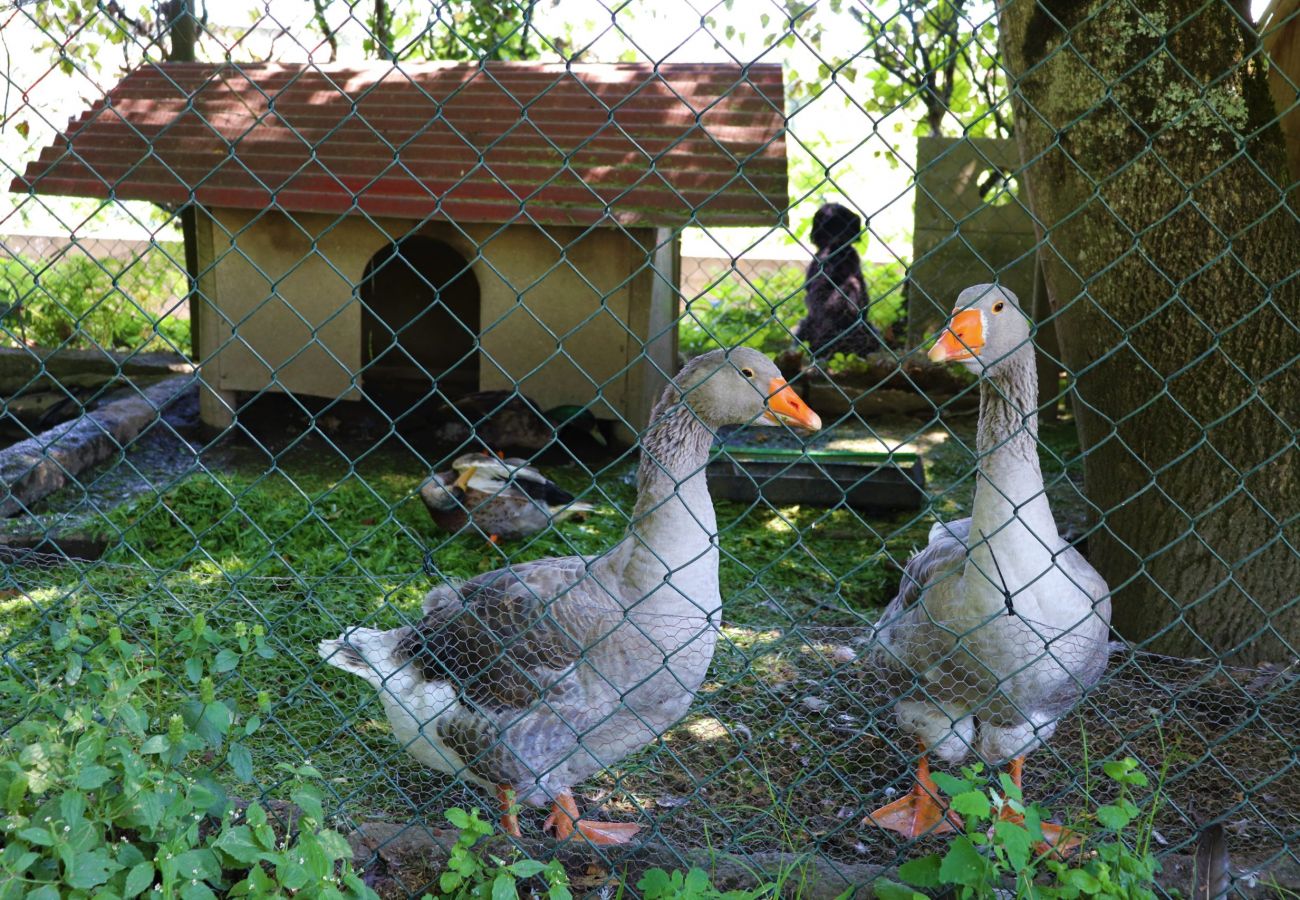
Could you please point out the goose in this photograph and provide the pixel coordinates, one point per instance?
(529, 679)
(999, 625)
(505, 498)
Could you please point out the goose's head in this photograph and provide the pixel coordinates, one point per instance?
(741, 387)
(986, 329)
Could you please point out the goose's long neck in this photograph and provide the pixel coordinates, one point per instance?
(673, 533)
(1011, 507)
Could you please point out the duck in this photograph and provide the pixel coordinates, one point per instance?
(508, 420)
(999, 625)
(505, 498)
(529, 679)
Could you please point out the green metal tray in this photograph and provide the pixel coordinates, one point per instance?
(868, 481)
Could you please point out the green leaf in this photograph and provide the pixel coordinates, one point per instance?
(971, 803)
(16, 791)
(654, 883)
(1081, 879)
(238, 844)
(1125, 771)
(1113, 817)
(334, 845)
(255, 815)
(199, 891)
(922, 873)
(241, 762)
(41, 837)
(45, 892)
(307, 798)
(139, 878)
(503, 887)
(19, 864)
(226, 661)
(72, 807)
(884, 889)
(88, 869)
(962, 864)
(156, 744)
(527, 868)
(134, 719)
(194, 669)
(200, 864)
(90, 777)
(1034, 822)
(951, 785)
(75, 666)
(207, 795)
(148, 808)
(1015, 842)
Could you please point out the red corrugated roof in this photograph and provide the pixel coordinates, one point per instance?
(644, 145)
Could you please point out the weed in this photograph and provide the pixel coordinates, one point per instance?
(657, 884)
(104, 793)
(471, 873)
(80, 302)
(1003, 844)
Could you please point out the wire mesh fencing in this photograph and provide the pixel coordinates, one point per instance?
(364, 368)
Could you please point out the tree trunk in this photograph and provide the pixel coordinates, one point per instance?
(382, 31)
(1155, 181)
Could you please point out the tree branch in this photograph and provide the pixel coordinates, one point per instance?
(323, 24)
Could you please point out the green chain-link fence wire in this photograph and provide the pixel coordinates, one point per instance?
(303, 513)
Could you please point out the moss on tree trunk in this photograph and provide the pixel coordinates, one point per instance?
(1158, 186)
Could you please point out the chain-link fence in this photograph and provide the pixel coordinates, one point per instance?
(363, 365)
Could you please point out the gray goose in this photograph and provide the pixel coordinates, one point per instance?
(529, 679)
(999, 625)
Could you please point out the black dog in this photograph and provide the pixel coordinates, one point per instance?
(835, 292)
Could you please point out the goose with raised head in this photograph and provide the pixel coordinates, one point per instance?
(999, 625)
(529, 679)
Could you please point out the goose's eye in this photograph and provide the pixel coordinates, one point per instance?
(748, 373)
(999, 306)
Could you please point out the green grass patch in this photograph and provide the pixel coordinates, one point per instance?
(314, 545)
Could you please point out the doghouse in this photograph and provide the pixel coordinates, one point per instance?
(432, 229)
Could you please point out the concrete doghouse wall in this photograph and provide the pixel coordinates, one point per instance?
(565, 313)
(959, 237)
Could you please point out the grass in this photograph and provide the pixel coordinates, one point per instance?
(312, 545)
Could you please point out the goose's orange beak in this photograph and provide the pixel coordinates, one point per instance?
(785, 406)
(962, 339)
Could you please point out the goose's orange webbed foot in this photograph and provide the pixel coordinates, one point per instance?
(509, 821)
(563, 821)
(1057, 841)
(920, 812)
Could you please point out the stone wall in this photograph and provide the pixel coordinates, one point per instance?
(962, 238)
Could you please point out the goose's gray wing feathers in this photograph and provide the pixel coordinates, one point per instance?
(515, 645)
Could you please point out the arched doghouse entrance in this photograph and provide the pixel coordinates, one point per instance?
(419, 323)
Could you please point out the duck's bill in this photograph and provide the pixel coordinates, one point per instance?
(784, 407)
(962, 339)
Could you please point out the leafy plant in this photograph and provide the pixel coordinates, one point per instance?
(104, 793)
(657, 884)
(80, 302)
(763, 312)
(1004, 844)
(471, 873)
